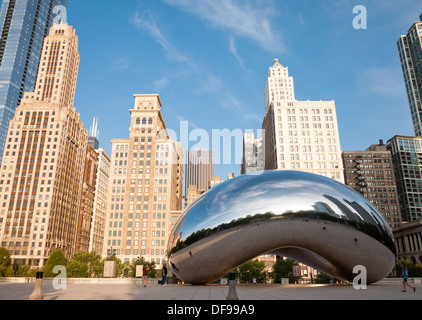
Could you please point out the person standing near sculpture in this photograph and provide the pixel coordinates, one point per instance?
(164, 276)
(145, 270)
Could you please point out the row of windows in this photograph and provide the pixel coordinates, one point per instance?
(305, 111)
(144, 121)
(138, 215)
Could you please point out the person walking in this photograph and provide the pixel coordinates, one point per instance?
(145, 270)
(164, 277)
(405, 276)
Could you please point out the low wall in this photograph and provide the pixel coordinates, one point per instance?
(128, 281)
(117, 281)
(399, 280)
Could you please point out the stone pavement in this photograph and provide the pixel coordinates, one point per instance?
(211, 292)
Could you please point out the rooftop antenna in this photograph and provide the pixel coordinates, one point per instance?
(93, 130)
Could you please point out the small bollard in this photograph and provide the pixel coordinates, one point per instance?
(232, 287)
(37, 293)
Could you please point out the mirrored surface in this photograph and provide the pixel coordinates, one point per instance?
(309, 218)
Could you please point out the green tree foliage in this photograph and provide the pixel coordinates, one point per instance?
(85, 265)
(5, 262)
(414, 270)
(284, 269)
(56, 259)
(252, 269)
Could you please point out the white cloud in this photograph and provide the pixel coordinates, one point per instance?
(119, 63)
(233, 50)
(248, 19)
(161, 83)
(146, 21)
(205, 81)
(382, 81)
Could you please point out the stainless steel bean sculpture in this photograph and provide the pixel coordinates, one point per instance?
(305, 217)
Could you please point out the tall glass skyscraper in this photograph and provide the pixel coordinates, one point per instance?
(410, 51)
(23, 26)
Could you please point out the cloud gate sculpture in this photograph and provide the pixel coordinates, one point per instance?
(305, 217)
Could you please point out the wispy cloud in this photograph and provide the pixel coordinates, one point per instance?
(233, 50)
(119, 63)
(386, 82)
(161, 83)
(145, 20)
(206, 82)
(249, 19)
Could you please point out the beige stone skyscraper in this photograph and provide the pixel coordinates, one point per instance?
(86, 211)
(43, 162)
(145, 186)
(299, 135)
(100, 202)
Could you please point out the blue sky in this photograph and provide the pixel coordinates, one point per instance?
(208, 60)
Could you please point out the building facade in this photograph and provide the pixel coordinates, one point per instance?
(371, 173)
(199, 169)
(407, 160)
(193, 194)
(86, 211)
(146, 185)
(299, 135)
(23, 26)
(408, 241)
(44, 159)
(96, 241)
(410, 52)
(253, 154)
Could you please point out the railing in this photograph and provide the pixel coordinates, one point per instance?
(87, 281)
(153, 281)
(399, 280)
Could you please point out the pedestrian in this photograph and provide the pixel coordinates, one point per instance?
(164, 278)
(254, 280)
(405, 276)
(145, 270)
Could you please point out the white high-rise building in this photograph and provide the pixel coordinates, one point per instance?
(299, 135)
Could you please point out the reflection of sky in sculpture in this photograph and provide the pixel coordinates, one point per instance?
(277, 192)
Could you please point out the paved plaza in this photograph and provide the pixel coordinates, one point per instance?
(211, 292)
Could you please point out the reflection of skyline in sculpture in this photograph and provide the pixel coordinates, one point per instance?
(293, 214)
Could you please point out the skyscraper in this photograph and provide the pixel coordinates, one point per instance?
(44, 159)
(23, 26)
(146, 183)
(100, 202)
(86, 211)
(410, 52)
(93, 135)
(199, 169)
(371, 173)
(407, 160)
(299, 135)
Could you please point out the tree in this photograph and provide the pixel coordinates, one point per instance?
(414, 270)
(284, 269)
(5, 262)
(252, 269)
(56, 259)
(85, 265)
